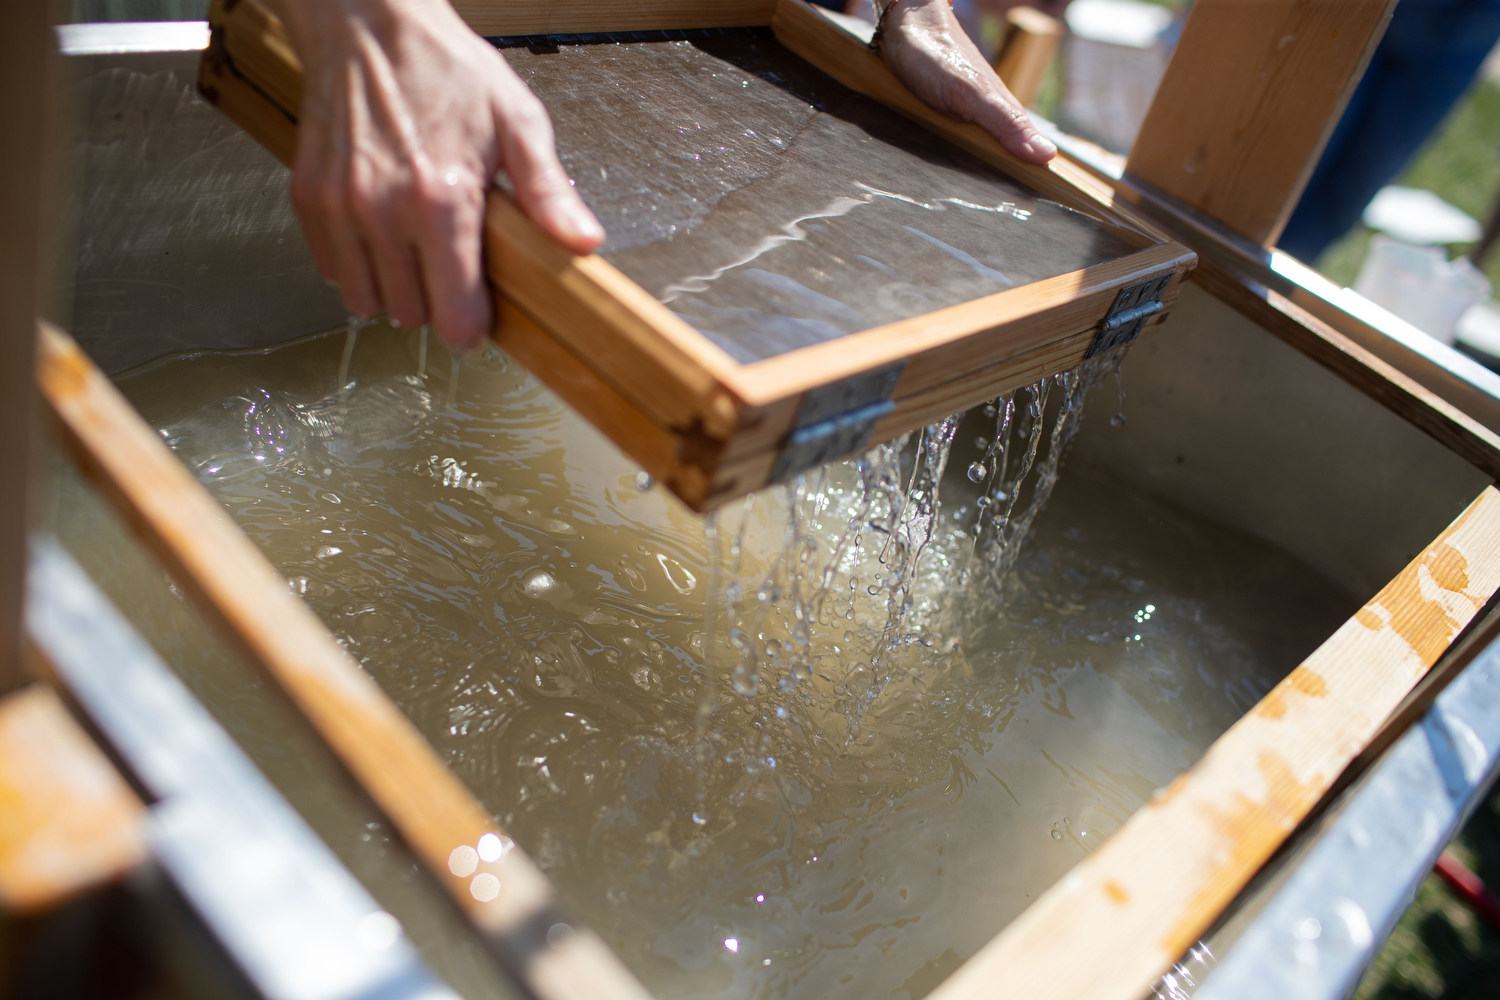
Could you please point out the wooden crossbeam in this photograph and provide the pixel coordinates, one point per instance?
(1252, 93)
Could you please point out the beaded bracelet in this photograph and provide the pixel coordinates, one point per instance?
(882, 8)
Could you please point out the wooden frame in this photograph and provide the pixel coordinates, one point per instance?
(707, 426)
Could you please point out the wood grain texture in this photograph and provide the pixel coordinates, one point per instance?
(941, 345)
(735, 471)
(1249, 99)
(1124, 914)
(241, 593)
(541, 17)
(1031, 40)
(256, 40)
(244, 103)
(68, 821)
(25, 42)
(658, 449)
(666, 367)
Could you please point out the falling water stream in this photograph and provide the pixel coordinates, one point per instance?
(828, 742)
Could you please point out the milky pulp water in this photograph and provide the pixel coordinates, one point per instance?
(910, 725)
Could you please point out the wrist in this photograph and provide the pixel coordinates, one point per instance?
(325, 25)
(894, 16)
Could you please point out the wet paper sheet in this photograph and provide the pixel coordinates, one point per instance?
(773, 208)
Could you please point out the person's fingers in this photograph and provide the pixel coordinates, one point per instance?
(450, 250)
(1004, 119)
(306, 181)
(398, 274)
(382, 219)
(353, 272)
(543, 189)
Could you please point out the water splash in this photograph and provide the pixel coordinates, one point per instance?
(1185, 976)
(900, 572)
(455, 365)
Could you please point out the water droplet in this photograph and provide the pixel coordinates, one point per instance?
(643, 481)
(773, 648)
(848, 636)
(700, 820)
(1118, 420)
(1057, 835)
(977, 472)
(746, 682)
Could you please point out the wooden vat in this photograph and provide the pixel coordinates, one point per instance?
(1230, 421)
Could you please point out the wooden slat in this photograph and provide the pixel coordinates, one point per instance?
(1125, 913)
(975, 334)
(241, 593)
(25, 40)
(735, 473)
(246, 105)
(669, 369)
(256, 40)
(68, 821)
(1248, 101)
(541, 17)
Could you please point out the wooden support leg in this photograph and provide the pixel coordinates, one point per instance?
(1031, 40)
(25, 33)
(1253, 91)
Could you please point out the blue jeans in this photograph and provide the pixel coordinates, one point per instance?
(1427, 59)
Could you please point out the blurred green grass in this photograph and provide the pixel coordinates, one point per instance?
(1440, 948)
(1460, 163)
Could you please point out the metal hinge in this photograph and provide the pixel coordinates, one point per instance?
(837, 420)
(1134, 305)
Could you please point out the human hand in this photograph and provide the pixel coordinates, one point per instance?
(928, 51)
(407, 116)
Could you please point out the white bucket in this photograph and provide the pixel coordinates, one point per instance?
(1421, 285)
